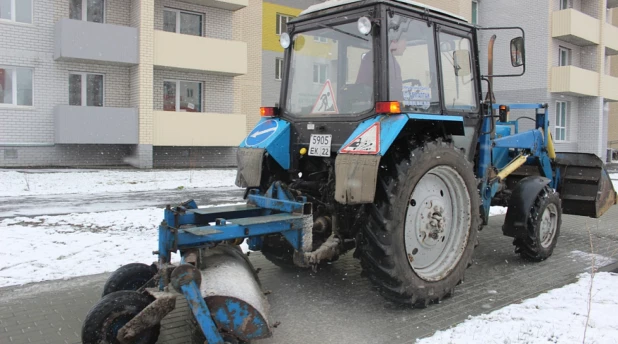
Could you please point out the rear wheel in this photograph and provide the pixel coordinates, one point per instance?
(111, 313)
(422, 228)
(543, 227)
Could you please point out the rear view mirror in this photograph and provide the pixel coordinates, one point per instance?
(518, 52)
(461, 62)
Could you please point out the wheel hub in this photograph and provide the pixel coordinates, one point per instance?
(548, 225)
(437, 223)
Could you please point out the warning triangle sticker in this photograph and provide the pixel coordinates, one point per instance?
(326, 100)
(368, 142)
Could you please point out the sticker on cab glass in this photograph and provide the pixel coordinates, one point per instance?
(417, 96)
(326, 101)
(261, 132)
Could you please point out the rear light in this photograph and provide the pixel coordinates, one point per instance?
(388, 107)
(269, 111)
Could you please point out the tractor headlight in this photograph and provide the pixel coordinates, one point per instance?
(364, 25)
(284, 39)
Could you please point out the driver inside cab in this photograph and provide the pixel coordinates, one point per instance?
(365, 72)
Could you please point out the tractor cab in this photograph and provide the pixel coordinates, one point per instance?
(347, 61)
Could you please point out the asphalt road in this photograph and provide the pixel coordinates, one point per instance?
(85, 203)
(337, 304)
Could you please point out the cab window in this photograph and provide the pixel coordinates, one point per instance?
(457, 74)
(412, 65)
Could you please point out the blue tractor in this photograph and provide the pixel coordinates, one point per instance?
(383, 144)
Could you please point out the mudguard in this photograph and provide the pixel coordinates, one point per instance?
(358, 159)
(522, 199)
(270, 135)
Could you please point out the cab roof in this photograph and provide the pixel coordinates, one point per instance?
(336, 3)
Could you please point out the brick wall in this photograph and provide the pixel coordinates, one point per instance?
(194, 157)
(217, 90)
(216, 23)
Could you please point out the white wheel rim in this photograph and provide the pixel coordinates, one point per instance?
(437, 223)
(548, 225)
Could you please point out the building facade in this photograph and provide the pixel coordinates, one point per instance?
(569, 44)
(613, 107)
(116, 82)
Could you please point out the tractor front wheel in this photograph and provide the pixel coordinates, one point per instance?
(543, 227)
(422, 228)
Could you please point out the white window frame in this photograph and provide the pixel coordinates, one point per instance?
(568, 52)
(320, 66)
(564, 126)
(474, 2)
(320, 39)
(85, 11)
(281, 16)
(84, 76)
(14, 87)
(279, 65)
(177, 100)
(178, 12)
(13, 19)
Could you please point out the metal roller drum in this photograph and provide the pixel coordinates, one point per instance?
(233, 293)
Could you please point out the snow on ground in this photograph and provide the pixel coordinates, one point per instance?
(57, 247)
(47, 182)
(558, 316)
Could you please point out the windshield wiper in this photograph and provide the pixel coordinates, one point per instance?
(339, 30)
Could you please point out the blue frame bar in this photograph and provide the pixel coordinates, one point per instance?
(201, 312)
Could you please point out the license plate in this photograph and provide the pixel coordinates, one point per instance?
(320, 145)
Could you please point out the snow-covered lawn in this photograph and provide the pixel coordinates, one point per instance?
(55, 182)
(558, 316)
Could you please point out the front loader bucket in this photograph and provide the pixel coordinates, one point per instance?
(585, 187)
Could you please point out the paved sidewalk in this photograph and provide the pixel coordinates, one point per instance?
(337, 304)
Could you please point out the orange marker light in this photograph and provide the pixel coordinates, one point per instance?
(267, 111)
(388, 107)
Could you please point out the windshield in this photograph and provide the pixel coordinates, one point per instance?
(331, 72)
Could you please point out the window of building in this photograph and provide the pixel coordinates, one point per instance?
(278, 68)
(184, 96)
(86, 89)
(565, 4)
(87, 10)
(19, 11)
(564, 56)
(282, 23)
(184, 22)
(320, 73)
(475, 12)
(320, 39)
(561, 121)
(15, 86)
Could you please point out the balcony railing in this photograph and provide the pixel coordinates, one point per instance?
(78, 40)
(95, 125)
(611, 39)
(187, 52)
(575, 27)
(574, 81)
(198, 129)
(231, 5)
(610, 88)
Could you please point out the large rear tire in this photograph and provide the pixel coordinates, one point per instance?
(422, 228)
(543, 227)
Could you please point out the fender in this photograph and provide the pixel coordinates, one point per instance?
(522, 199)
(357, 162)
(270, 135)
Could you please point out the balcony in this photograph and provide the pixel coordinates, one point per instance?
(195, 53)
(231, 5)
(573, 81)
(95, 125)
(198, 129)
(575, 27)
(611, 39)
(78, 40)
(610, 88)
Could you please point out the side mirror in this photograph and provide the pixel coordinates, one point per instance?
(461, 62)
(518, 52)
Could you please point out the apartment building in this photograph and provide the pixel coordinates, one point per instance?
(569, 44)
(613, 107)
(151, 83)
(276, 13)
